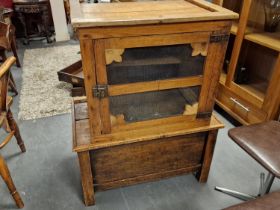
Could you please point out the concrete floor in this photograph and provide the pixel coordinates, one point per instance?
(47, 175)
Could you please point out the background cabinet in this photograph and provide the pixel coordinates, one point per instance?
(249, 88)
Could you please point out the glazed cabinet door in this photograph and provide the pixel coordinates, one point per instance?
(150, 80)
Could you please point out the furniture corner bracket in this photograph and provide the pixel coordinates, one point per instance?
(219, 38)
(100, 91)
(204, 115)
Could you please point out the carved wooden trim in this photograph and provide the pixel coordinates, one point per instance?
(191, 109)
(199, 49)
(113, 55)
(117, 120)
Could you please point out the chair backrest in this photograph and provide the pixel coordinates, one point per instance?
(5, 35)
(4, 81)
(1, 13)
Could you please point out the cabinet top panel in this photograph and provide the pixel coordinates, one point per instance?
(145, 12)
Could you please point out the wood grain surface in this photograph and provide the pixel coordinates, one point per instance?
(151, 12)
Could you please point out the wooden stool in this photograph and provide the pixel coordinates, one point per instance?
(262, 142)
(9, 124)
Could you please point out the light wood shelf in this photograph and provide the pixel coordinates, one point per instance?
(234, 28)
(269, 40)
(266, 39)
(256, 89)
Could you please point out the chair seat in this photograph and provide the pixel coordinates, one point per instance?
(267, 202)
(262, 142)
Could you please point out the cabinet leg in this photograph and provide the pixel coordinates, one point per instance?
(22, 19)
(202, 175)
(45, 18)
(86, 176)
(4, 172)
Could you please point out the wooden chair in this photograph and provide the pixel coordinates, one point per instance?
(8, 42)
(9, 124)
(5, 174)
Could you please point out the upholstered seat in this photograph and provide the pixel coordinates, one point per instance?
(262, 142)
(269, 202)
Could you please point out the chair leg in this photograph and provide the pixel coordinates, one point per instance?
(14, 127)
(239, 195)
(3, 55)
(14, 49)
(5, 174)
(264, 189)
(12, 84)
(266, 185)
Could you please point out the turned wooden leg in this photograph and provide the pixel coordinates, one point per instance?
(86, 176)
(3, 55)
(22, 19)
(14, 49)
(202, 175)
(5, 174)
(45, 20)
(14, 127)
(12, 84)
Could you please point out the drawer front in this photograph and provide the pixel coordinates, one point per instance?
(72, 74)
(148, 159)
(240, 109)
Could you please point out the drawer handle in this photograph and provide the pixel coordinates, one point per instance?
(239, 104)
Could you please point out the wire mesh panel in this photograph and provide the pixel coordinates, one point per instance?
(152, 63)
(154, 105)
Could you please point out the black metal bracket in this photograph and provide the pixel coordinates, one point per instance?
(204, 115)
(219, 38)
(100, 91)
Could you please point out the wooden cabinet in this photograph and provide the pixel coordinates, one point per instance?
(35, 18)
(150, 80)
(249, 88)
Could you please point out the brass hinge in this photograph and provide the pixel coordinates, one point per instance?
(219, 38)
(100, 91)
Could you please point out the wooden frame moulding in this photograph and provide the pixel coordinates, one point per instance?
(272, 97)
(238, 41)
(214, 60)
(140, 87)
(88, 60)
(148, 30)
(82, 141)
(206, 101)
(101, 78)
